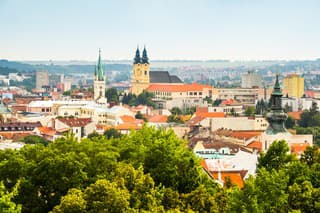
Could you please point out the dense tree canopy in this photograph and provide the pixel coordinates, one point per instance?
(149, 171)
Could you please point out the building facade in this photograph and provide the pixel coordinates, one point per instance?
(140, 76)
(294, 84)
(251, 79)
(99, 83)
(42, 79)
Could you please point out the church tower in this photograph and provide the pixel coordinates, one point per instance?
(140, 75)
(99, 83)
(276, 117)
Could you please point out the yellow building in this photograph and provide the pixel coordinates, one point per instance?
(140, 76)
(294, 84)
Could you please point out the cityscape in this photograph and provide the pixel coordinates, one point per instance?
(140, 123)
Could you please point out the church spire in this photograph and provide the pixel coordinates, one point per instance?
(137, 58)
(99, 72)
(276, 117)
(145, 59)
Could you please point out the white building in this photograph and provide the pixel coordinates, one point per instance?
(251, 79)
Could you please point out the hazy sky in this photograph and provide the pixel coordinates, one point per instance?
(171, 29)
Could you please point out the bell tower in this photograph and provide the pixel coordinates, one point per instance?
(140, 72)
(99, 83)
(276, 117)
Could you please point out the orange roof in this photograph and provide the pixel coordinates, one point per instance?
(127, 118)
(202, 109)
(127, 126)
(178, 88)
(255, 145)
(235, 177)
(210, 114)
(295, 115)
(298, 148)
(245, 134)
(14, 136)
(47, 130)
(158, 119)
(195, 120)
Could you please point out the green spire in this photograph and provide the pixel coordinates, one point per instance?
(277, 88)
(145, 59)
(99, 72)
(137, 58)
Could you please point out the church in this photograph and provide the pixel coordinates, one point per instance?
(99, 84)
(142, 77)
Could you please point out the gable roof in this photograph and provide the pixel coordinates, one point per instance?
(163, 77)
(127, 118)
(295, 115)
(255, 145)
(44, 130)
(75, 122)
(158, 119)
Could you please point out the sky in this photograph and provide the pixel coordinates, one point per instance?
(170, 29)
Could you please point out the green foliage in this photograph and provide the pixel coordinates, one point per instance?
(176, 111)
(175, 119)
(112, 133)
(250, 111)
(35, 139)
(276, 157)
(6, 203)
(139, 115)
(217, 102)
(112, 95)
(315, 131)
(289, 123)
(67, 93)
(311, 117)
(145, 98)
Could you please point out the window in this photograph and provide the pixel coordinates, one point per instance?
(145, 72)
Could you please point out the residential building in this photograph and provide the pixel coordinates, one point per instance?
(251, 79)
(294, 84)
(80, 127)
(42, 79)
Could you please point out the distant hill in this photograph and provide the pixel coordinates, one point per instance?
(73, 68)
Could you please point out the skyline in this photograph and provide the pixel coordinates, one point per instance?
(171, 30)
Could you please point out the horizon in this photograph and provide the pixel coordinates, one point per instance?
(171, 30)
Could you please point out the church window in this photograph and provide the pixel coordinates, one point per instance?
(145, 72)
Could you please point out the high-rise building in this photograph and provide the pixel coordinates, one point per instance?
(294, 84)
(140, 76)
(251, 79)
(42, 79)
(99, 83)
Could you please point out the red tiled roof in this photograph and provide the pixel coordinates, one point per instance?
(202, 109)
(127, 118)
(255, 145)
(298, 148)
(47, 130)
(245, 134)
(295, 115)
(75, 122)
(178, 88)
(158, 119)
(234, 176)
(14, 136)
(210, 114)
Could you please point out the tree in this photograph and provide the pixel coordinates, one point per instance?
(106, 196)
(112, 95)
(176, 111)
(35, 139)
(217, 102)
(276, 157)
(289, 123)
(6, 203)
(139, 115)
(112, 133)
(72, 202)
(250, 111)
(311, 155)
(174, 119)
